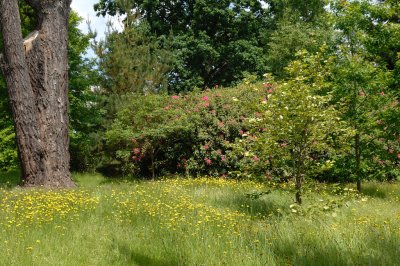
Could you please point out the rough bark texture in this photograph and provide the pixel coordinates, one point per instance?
(36, 76)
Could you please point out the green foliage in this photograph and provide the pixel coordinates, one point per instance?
(85, 116)
(309, 11)
(292, 36)
(133, 60)
(298, 128)
(8, 154)
(332, 115)
(363, 84)
(361, 88)
(214, 43)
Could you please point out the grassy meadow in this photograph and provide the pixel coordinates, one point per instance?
(198, 222)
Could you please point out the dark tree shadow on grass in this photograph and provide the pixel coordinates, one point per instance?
(136, 258)
(263, 206)
(375, 251)
(372, 190)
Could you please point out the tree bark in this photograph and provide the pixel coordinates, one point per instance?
(298, 174)
(357, 150)
(298, 180)
(36, 76)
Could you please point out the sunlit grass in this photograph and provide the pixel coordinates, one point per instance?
(198, 222)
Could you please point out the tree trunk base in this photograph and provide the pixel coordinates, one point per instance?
(298, 197)
(49, 184)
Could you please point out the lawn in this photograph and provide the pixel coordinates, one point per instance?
(199, 222)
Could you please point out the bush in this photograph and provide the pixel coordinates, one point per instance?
(187, 134)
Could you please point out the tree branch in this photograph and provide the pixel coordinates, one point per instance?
(28, 45)
(29, 41)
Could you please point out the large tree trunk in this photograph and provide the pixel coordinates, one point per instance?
(36, 75)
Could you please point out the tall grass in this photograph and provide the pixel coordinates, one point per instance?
(197, 222)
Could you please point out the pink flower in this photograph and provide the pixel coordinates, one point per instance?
(223, 158)
(207, 104)
(136, 151)
(175, 97)
(205, 98)
(207, 161)
(241, 132)
(382, 93)
(270, 91)
(398, 156)
(267, 84)
(268, 176)
(205, 147)
(255, 158)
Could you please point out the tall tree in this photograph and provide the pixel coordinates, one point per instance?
(35, 69)
(133, 61)
(215, 42)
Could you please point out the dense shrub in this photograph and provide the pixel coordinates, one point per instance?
(186, 134)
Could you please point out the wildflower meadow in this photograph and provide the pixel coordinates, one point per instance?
(199, 222)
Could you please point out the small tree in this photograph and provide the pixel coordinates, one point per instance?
(299, 126)
(360, 83)
(133, 61)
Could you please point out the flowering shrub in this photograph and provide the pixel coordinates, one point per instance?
(270, 130)
(187, 134)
